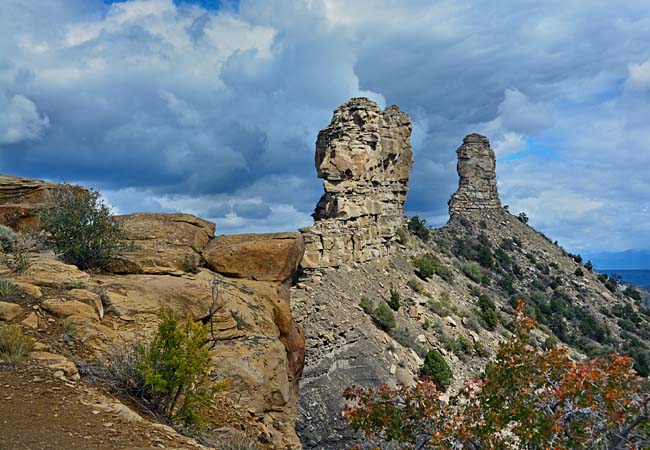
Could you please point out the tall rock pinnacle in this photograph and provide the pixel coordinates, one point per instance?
(477, 187)
(365, 159)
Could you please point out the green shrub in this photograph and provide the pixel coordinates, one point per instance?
(366, 305)
(550, 342)
(426, 324)
(419, 227)
(9, 290)
(8, 238)
(476, 273)
(384, 317)
(394, 301)
(81, 229)
(14, 346)
(428, 265)
(18, 260)
(169, 375)
(439, 308)
(579, 272)
(402, 235)
(437, 369)
(415, 285)
(631, 292)
(488, 312)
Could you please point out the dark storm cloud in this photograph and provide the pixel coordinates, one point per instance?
(170, 106)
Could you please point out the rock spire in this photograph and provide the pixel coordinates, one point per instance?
(364, 157)
(477, 187)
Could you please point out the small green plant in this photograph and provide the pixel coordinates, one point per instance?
(415, 285)
(384, 317)
(402, 235)
(8, 238)
(366, 305)
(419, 227)
(9, 290)
(426, 324)
(18, 260)
(633, 293)
(428, 265)
(14, 346)
(169, 374)
(436, 368)
(81, 229)
(394, 301)
(579, 272)
(475, 272)
(488, 312)
(191, 263)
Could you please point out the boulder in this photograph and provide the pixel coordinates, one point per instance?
(9, 311)
(262, 257)
(161, 244)
(63, 308)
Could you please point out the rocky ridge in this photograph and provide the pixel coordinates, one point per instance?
(364, 156)
(483, 252)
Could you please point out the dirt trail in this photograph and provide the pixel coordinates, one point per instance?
(41, 412)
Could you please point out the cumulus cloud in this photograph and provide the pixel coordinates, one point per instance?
(20, 120)
(169, 106)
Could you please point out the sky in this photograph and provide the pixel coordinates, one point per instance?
(212, 107)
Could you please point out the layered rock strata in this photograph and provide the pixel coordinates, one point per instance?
(364, 157)
(21, 199)
(477, 186)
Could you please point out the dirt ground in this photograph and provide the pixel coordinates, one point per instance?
(41, 412)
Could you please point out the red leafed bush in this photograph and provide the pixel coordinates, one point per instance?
(528, 399)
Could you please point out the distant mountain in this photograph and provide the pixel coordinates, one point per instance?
(627, 260)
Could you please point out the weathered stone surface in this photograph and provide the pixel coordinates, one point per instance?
(477, 187)
(146, 294)
(365, 159)
(46, 270)
(9, 311)
(263, 257)
(64, 308)
(21, 199)
(163, 244)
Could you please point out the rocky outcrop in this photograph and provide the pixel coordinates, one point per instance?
(21, 199)
(365, 159)
(161, 243)
(477, 187)
(263, 257)
(259, 347)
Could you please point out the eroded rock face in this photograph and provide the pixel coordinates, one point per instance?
(477, 187)
(365, 159)
(162, 243)
(21, 199)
